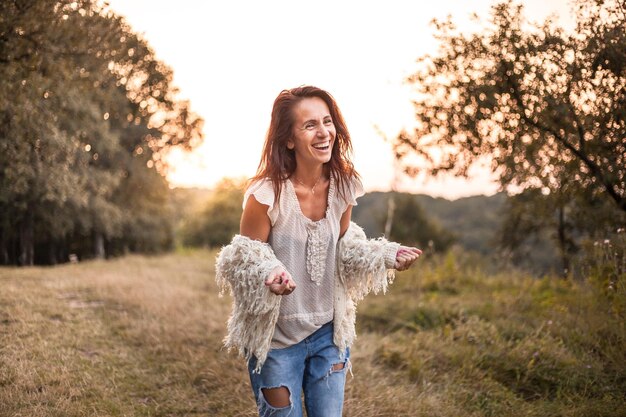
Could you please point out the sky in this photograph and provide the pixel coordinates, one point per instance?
(232, 58)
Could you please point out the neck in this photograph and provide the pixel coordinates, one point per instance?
(308, 175)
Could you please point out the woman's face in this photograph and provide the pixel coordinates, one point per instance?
(313, 133)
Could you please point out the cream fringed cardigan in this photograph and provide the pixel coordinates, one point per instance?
(242, 267)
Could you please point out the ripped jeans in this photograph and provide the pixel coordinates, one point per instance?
(314, 366)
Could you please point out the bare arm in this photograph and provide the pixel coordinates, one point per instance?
(344, 223)
(255, 224)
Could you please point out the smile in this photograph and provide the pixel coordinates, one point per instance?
(322, 146)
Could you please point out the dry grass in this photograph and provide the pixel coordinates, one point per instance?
(141, 336)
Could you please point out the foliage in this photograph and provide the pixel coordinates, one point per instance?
(148, 221)
(546, 107)
(531, 218)
(499, 344)
(530, 214)
(89, 111)
(218, 220)
(605, 266)
(472, 220)
(413, 227)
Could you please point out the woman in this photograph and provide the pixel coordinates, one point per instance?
(298, 266)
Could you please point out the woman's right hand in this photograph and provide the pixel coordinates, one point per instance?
(280, 282)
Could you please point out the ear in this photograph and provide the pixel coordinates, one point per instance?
(290, 144)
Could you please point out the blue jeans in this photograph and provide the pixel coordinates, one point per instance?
(308, 366)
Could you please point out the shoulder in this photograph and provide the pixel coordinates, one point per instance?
(349, 191)
(356, 187)
(263, 192)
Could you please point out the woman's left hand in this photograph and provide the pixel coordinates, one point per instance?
(405, 257)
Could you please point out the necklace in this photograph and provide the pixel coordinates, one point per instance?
(314, 185)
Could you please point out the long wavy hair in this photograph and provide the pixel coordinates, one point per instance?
(278, 163)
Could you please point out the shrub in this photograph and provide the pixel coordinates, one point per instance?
(605, 265)
(218, 221)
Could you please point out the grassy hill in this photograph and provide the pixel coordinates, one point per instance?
(472, 219)
(141, 336)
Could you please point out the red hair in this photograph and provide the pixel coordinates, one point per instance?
(278, 163)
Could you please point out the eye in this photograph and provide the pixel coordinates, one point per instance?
(309, 125)
(328, 121)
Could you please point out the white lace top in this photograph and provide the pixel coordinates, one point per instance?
(307, 250)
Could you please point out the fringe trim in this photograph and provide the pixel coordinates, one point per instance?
(244, 264)
(241, 268)
(363, 263)
(362, 268)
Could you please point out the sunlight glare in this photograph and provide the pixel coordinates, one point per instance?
(231, 59)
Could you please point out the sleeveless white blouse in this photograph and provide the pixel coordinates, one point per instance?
(307, 250)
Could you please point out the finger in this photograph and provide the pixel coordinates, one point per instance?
(284, 285)
(402, 253)
(411, 258)
(413, 251)
(289, 279)
(403, 250)
(273, 278)
(409, 263)
(273, 289)
(410, 250)
(280, 289)
(402, 258)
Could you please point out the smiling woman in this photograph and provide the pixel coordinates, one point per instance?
(296, 227)
(314, 131)
(306, 126)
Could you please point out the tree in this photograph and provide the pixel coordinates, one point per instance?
(530, 216)
(219, 220)
(413, 227)
(84, 120)
(547, 107)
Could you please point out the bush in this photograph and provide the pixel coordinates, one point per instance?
(218, 221)
(606, 270)
(503, 343)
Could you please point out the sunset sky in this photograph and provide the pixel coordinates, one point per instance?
(231, 59)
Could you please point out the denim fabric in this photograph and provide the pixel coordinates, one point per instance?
(304, 367)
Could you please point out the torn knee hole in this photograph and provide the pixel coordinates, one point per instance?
(339, 366)
(277, 397)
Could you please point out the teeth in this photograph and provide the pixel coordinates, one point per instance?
(321, 146)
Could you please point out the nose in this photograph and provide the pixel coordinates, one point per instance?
(323, 131)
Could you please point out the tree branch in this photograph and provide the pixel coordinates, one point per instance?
(579, 126)
(594, 168)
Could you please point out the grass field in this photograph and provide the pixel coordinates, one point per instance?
(141, 336)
